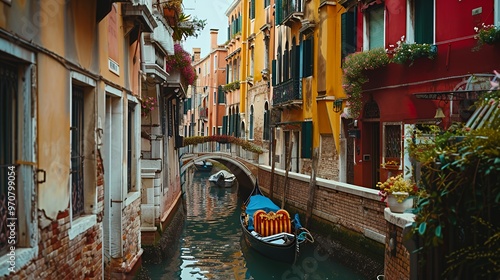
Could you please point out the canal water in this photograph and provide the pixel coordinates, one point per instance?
(210, 244)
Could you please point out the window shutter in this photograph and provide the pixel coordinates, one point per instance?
(251, 126)
(348, 33)
(221, 95)
(224, 125)
(424, 21)
(278, 12)
(252, 9)
(307, 130)
(273, 72)
(295, 62)
(265, 135)
(308, 58)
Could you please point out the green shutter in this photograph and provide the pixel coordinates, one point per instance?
(424, 21)
(273, 72)
(295, 62)
(278, 12)
(308, 58)
(221, 97)
(307, 130)
(348, 33)
(224, 125)
(252, 9)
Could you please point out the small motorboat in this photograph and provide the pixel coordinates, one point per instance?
(203, 165)
(222, 179)
(269, 230)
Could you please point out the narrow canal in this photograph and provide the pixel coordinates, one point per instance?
(208, 244)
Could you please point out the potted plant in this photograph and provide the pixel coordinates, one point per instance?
(398, 192)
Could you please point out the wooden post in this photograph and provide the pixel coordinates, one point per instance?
(312, 186)
(273, 155)
(287, 164)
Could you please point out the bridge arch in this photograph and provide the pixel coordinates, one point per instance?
(237, 166)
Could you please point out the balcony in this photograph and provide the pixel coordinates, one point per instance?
(288, 94)
(139, 11)
(292, 12)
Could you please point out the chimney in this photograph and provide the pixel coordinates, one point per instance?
(196, 54)
(213, 38)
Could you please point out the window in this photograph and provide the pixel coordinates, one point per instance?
(77, 152)
(267, 3)
(348, 33)
(267, 116)
(9, 125)
(252, 9)
(17, 142)
(374, 28)
(250, 129)
(392, 142)
(215, 97)
(251, 60)
(308, 57)
(497, 12)
(420, 21)
(131, 141)
(215, 62)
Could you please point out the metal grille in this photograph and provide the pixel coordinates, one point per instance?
(392, 141)
(8, 150)
(371, 110)
(77, 155)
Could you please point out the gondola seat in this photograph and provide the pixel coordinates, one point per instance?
(267, 224)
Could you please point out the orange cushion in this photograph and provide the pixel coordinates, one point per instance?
(271, 223)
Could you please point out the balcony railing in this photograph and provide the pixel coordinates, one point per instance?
(292, 11)
(287, 93)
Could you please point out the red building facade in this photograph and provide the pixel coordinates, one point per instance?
(397, 96)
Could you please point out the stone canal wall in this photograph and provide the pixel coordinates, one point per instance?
(355, 208)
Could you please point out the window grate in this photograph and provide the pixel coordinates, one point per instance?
(77, 153)
(392, 141)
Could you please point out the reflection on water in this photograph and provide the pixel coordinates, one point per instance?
(211, 244)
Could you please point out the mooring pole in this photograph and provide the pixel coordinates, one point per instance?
(287, 163)
(312, 186)
(273, 155)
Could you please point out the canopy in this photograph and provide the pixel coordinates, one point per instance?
(259, 202)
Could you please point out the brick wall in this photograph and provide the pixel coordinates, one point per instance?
(328, 164)
(356, 208)
(80, 258)
(397, 266)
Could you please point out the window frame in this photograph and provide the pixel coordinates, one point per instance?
(385, 157)
(24, 159)
(251, 123)
(367, 28)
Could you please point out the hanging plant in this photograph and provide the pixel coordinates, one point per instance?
(486, 34)
(181, 60)
(354, 68)
(148, 104)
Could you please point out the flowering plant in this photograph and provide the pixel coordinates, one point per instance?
(354, 68)
(407, 52)
(398, 186)
(181, 60)
(487, 34)
(147, 105)
(246, 145)
(390, 163)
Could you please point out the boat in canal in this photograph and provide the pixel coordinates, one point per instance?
(269, 230)
(222, 178)
(203, 165)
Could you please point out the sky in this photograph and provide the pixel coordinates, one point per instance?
(214, 12)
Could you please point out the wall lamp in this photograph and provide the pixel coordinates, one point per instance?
(337, 105)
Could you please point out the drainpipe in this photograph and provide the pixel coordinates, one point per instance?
(411, 246)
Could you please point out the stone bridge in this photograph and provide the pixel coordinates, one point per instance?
(245, 171)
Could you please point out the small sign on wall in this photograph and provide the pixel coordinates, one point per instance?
(113, 66)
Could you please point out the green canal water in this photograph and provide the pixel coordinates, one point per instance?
(209, 245)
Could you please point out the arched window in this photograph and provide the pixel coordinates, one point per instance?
(250, 123)
(267, 118)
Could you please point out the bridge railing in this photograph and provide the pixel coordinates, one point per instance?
(229, 148)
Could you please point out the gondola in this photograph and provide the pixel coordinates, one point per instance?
(269, 229)
(203, 166)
